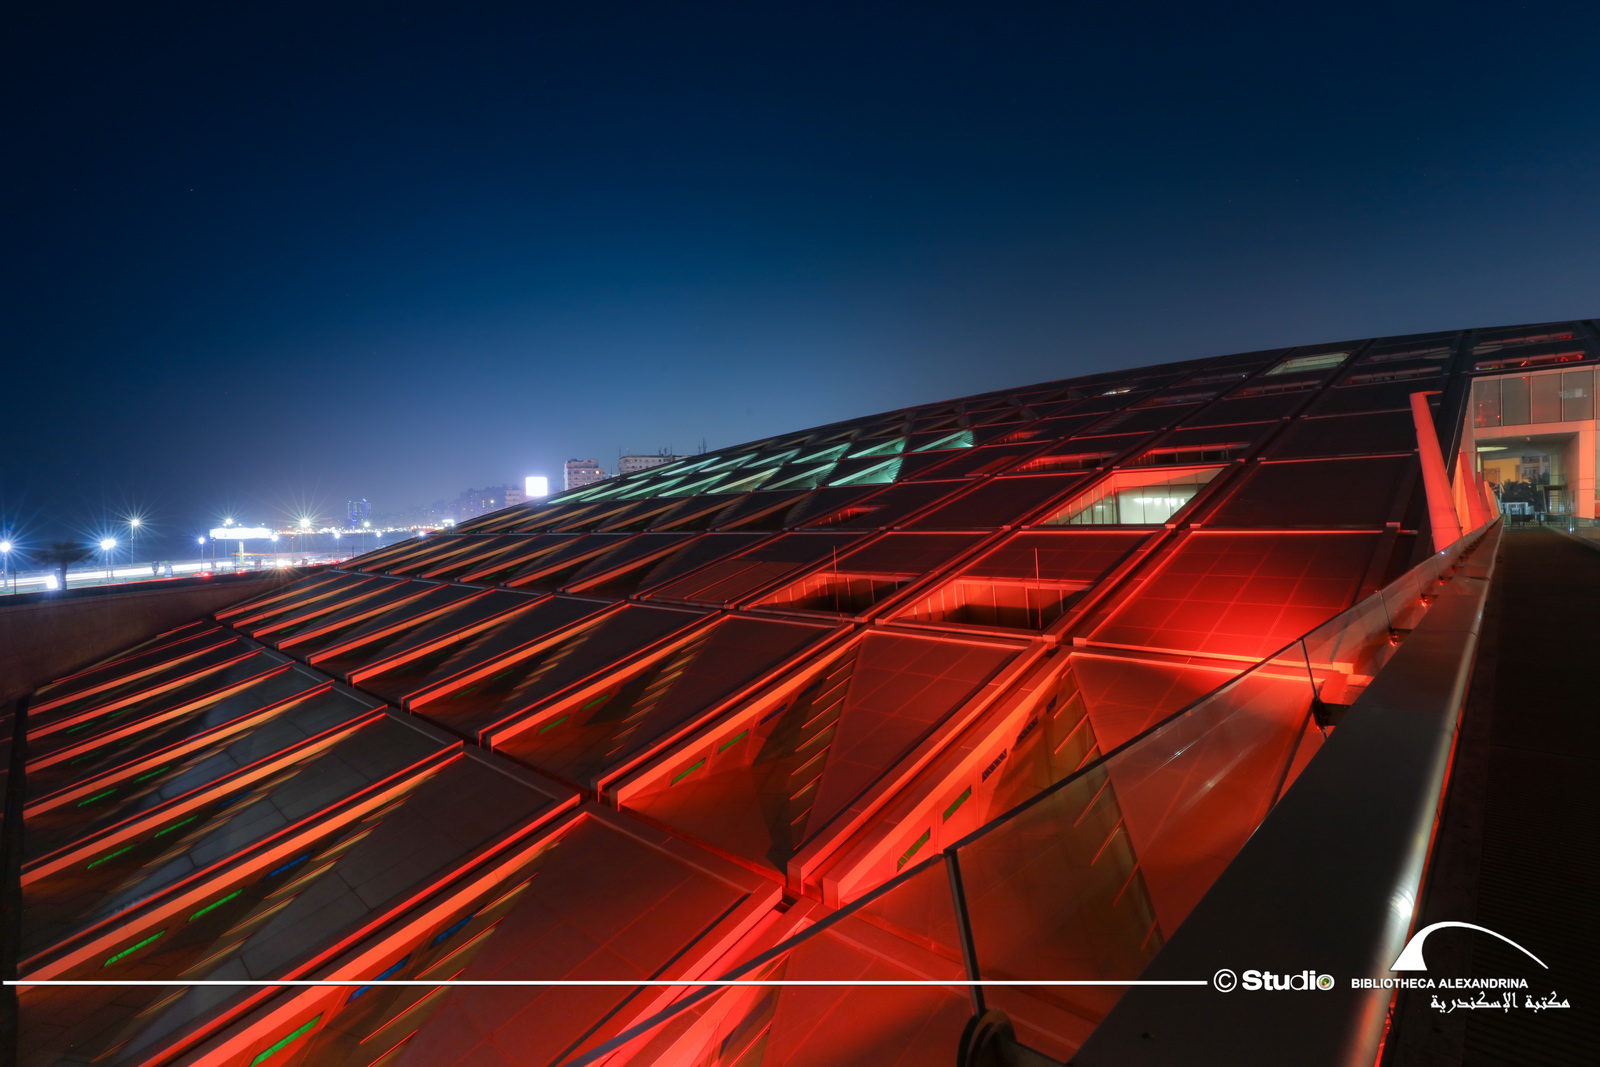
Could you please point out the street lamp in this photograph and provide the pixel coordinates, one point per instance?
(106, 545)
(5, 566)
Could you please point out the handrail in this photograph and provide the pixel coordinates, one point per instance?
(1329, 882)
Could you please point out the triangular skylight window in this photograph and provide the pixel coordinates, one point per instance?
(807, 479)
(745, 484)
(959, 439)
(886, 448)
(877, 474)
(1135, 498)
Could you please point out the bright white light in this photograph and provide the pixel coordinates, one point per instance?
(108, 544)
(336, 535)
(536, 486)
(200, 540)
(368, 525)
(305, 524)
(274, 537)
(50, 582)
(5, 546)
(135, 522)
(227, 522)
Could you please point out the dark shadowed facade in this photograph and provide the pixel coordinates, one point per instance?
(1037, 661)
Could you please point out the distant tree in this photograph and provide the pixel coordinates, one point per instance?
(59, 555)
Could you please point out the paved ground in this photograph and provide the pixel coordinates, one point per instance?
(1518, 841)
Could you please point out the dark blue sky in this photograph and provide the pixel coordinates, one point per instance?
(265, 256)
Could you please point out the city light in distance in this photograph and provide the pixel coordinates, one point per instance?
(536, 486)
(107, 544)
(230, 532)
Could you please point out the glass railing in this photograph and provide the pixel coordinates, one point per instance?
(1082, 883)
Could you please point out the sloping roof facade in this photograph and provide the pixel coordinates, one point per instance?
(652, 726)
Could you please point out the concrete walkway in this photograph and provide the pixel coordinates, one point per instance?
(1516, 849)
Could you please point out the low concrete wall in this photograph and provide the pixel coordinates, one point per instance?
(46, 635)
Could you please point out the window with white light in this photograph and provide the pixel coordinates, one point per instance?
(1315, 361)
(1136, 498)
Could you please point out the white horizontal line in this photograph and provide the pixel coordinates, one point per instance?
(622, 982)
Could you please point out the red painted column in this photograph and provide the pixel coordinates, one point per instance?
(1490, 501)
(1435, 479)
(1471, 492)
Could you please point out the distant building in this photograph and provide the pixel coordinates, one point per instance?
(629, 464)
(475, 502)
(583, 472)
(358, 511)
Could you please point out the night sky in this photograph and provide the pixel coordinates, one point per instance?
(265, 257)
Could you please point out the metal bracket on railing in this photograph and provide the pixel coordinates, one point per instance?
(990, 1041)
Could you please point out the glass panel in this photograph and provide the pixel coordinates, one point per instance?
(277, 906)
(132, 721)
(1349, 492)
(1317, 361)
(507, 634)
(494, 689)
(382, 594)
(366, 649)
(1382, 396)
(329, 596)
(189, 764)
(101, 880)
(1514, 400)
(890, 506)
(145, 676)
(128, 668)
(999, 502)
(538, 917)
(771, 777)
(1577, 395)
(1091, 880)
(481, 555)
(1544, 400)
(594, 732)
(1134, 497)
(1350, 435)
(730, 580)
(1243, 594)
(433, 600)
(1486, 402)
(696, 554)
(616, 572)
(494, 570)
(294, 591)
